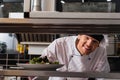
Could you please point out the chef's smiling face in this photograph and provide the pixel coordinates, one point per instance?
(86, 44)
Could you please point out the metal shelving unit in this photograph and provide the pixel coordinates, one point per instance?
(91, 25)
(101, 23)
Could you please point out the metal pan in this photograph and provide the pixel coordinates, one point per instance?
(39, 66)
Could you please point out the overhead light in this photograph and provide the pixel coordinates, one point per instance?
(83, 1)
(63, 2)
(1, 3)
(108, 0)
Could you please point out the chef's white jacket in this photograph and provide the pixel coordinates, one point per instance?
(64, 51)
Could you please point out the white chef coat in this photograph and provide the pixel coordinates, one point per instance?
(64, 50)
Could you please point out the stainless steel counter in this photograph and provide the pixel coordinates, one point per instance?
(59, 74)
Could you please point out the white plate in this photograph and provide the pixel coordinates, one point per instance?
(40, 66)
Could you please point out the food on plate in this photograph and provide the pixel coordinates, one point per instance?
(39, 60)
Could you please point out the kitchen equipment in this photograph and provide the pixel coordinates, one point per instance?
(40, 66)
(3, 47)
(48, 5)
(35, 5)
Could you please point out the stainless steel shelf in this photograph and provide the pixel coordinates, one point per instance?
(59, 74)
(60, 25)
(73, 15)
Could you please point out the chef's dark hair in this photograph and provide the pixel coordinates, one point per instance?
(97, 37)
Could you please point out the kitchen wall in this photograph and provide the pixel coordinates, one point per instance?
(9, 39)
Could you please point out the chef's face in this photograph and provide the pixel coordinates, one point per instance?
(86, 44)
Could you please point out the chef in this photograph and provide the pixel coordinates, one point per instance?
(81, 53)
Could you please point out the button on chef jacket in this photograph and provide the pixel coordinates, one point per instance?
(64, 50)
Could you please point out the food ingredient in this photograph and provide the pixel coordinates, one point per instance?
(39, 60)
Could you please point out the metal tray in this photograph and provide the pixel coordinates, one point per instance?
(39, 66)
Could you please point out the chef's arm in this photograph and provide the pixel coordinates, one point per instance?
(50, 52)
(103, 65)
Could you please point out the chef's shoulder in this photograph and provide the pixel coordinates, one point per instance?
(65, 39)
(100, 50)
